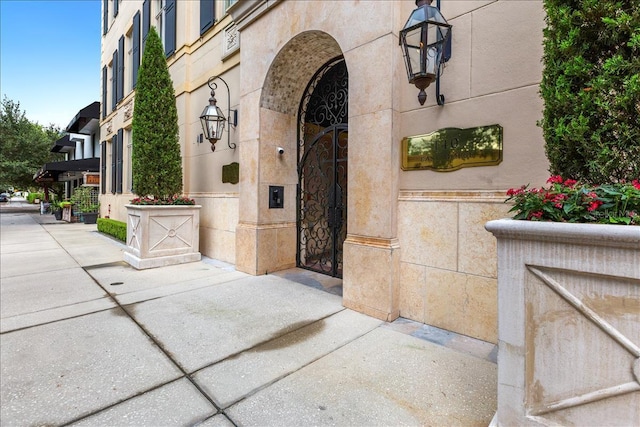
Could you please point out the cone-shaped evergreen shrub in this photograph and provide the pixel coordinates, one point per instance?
(156, 159)
(591, 89)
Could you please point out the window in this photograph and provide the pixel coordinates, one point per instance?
(146, 20)
(115, 7)
(166, 24)
(135, 50)
(114, 79)
(120, 74)
(207, 15)
(129, 160)
(116, 162)
(114, 156)
(103, 167)
(105, 16)
(104, 92)
(228, 3)
(119, 159)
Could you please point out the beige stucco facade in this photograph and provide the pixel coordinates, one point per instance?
(415, 243)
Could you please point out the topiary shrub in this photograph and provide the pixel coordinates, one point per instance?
(117, 229)
(591, 89)
(156, 159)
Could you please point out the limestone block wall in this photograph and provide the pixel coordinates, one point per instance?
(218, 227)
(448, 260)
(448, 274)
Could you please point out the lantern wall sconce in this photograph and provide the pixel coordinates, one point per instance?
(213, 120)
(426, 44)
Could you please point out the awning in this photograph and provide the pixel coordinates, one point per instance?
(66, 171)
(86, 121)
(63, 145)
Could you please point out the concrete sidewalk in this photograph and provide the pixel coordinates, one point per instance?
(87, 340)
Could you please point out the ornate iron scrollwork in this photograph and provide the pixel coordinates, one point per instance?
(322, 170)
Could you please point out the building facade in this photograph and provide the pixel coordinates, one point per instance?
(325, 110)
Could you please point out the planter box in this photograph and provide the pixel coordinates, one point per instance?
(568, 323)
(90, 217)
(162, 235)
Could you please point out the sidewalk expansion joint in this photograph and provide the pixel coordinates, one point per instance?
(159, 345)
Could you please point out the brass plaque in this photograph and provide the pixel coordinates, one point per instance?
(451, 149)
(231, 173)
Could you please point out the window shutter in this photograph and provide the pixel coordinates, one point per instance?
(114, 156)
(105, 16)
(114, 81)
(115, 8)
(103, 167)
(170, 28)
(104, 92)
(119, 163)
(121, 68)
(207, 15)
(135, 52)
(146, 20)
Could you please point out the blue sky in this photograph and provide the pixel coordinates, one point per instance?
(50, 57)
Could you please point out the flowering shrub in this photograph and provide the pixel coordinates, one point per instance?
(566, 200)
(174, 200)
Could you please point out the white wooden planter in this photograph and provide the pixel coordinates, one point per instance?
(162, 235)
(568, 324)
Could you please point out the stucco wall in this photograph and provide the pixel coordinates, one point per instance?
(197, 58)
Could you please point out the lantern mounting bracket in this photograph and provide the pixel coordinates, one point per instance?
(231, 114)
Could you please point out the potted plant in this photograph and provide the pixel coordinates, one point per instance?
(162, 225)
(56, 208)
(85, 201)
(568, 270)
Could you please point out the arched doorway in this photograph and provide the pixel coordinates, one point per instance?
(322, 170)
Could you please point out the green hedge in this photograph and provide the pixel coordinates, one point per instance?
(591, 89)
(117, 229)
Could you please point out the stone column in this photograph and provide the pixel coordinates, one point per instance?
(372, 250)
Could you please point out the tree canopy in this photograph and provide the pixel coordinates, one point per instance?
(156, 158)
(24, 146)
(591, 89)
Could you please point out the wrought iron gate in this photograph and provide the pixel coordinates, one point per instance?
(322, 170)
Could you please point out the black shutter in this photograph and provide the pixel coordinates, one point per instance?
(207, 15)
(121, 68)
(104, 92)
(135, 52)
(103, 167)
(119, 163)
(114, 81)
(170, 28)
(115, 8)
(114, 156)
(105, 16)
(146, 20)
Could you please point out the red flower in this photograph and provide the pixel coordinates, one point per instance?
(556, 179)
(594, 205)
(537, 214)
(570, 182)
(636, 184)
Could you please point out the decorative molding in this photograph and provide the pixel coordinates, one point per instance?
(231, 41)
(452, 196)
(109, 126)
(128, 110)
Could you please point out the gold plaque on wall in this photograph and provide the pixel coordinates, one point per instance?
(451, 149)
(231, 173)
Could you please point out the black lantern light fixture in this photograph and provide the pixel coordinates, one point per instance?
(426, 45)
(213, 119)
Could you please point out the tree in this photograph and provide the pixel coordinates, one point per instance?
(24, 146)
(156, 159)
(591, 89)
